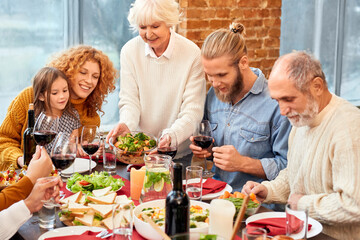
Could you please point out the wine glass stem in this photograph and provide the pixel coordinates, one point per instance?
(90, 170)
(205, 165)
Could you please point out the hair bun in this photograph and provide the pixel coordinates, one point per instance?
(237, 27)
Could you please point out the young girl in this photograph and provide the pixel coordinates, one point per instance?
(51, 94)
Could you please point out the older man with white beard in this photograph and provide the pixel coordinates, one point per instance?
(250, 135)
(324, 148)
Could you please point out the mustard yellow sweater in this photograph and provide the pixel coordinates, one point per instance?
(15, 123)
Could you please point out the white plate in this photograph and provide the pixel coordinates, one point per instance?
(81, 166)
(316, 227)
(211, 196)
(66, 231)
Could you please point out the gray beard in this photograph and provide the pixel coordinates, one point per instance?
(305, 118)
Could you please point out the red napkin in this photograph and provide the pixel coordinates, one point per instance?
(136, 166)
(274, 226)
(212, 186)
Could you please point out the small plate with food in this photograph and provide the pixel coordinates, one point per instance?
(11, 176)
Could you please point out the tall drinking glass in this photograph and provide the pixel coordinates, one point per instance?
(203, 138)
(45, 129)
(90, 141)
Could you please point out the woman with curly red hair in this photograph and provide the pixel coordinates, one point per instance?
(92, 77)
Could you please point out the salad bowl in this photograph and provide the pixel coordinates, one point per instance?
(130, 147)
(148, 232)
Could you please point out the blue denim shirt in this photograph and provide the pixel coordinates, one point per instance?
(254, 127)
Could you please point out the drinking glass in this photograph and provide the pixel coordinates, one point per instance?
(296, 222)
(45, 129)
(194, 182)
(136, 182)
(203, 138)
(122, 216)
(63, 152)
(90, 141)
(167, 144)
(253, 233)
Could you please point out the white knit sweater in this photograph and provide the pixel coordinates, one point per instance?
(162, 93)
(324, 165)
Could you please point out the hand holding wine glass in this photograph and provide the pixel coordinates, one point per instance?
(90, 141)
(167, 144)
(203, 138)
(45, 129)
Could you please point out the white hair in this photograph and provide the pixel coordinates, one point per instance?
(146, 12)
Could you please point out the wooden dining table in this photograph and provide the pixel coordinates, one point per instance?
(31, 230)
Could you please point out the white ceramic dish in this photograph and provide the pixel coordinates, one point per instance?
(145, 229)
(81, 166)
(66, 231)
(316, 227)
(211, 196)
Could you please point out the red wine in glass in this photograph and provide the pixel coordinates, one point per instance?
(43, 137)
(170, 151)
(203, 141)
(62, 161)
(90, 149)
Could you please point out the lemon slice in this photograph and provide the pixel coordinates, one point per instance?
(158, 186)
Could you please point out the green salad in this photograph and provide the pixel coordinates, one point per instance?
(88, 183)
(135, 143)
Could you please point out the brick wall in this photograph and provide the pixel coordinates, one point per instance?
(261, 19)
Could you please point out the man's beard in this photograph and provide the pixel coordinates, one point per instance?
(234, 90)
(305, 118)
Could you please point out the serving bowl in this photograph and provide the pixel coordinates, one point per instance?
(147, 231)
(127, 155)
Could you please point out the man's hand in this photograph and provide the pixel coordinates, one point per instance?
(43, 190)
(258, 189)
(198, 151)
(40, 165)
(118, 130)
(294, 199)
(227, 158)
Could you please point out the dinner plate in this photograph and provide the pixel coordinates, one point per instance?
(66, 231)
(211, 196)
(316, 227)
(81, 166)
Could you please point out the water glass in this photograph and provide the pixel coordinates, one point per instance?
(253, 233)
(194, 182)
(109, 163)
(296, 222)
(47, 216)
(122, 215)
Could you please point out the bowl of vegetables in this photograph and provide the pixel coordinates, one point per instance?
(130, 147)
(237, 199)
(199, 213)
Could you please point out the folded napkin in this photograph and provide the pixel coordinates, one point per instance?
(274, 226)
(212, 186)
(136, 166)
(87, 235)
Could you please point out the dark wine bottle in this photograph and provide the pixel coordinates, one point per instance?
(29, 142)
(177, 208)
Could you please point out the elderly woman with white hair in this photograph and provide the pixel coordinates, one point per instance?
(162, 85)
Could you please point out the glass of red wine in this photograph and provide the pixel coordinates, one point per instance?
(90, 141)
(45, 129)
(203, 138)
(63, 152)
(167, 144)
